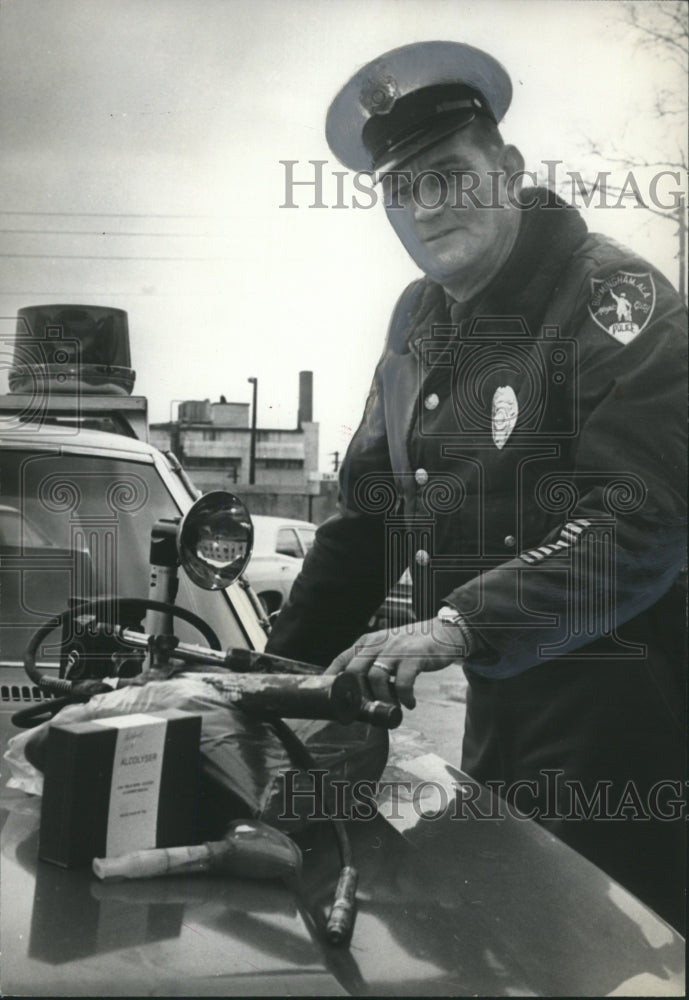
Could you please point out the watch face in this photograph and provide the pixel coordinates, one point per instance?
(449, 616)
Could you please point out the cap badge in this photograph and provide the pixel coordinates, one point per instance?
(504, 415)
(378, 96)
(623, 304)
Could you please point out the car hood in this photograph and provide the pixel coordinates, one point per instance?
(446, 907)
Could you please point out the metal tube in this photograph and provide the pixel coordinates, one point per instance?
(188, 652)
(336, 697)
(247, 663)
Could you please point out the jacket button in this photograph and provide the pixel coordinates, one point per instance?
(431, 401)
(422, 558)
(510, 541)
(421, 477)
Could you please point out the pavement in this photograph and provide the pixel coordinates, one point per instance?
(436, 725)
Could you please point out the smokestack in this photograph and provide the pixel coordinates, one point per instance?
(305, 414)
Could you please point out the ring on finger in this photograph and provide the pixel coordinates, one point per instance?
(385, 667)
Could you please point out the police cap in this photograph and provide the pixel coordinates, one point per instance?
(410, 98)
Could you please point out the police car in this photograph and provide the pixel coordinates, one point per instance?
(456, 896)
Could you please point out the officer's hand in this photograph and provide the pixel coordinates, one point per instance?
(387, 662)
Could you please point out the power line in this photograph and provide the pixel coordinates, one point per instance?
(91, 256)
(118, 215)
(99, 232)
(62, 293)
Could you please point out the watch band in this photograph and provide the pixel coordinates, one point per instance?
(450, 616)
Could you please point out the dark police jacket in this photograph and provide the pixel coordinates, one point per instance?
(525, 455)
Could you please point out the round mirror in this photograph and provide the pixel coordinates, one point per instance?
(215, 539)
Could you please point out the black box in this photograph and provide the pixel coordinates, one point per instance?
(119, 784)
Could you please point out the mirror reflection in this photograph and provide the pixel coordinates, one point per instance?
(215, 540)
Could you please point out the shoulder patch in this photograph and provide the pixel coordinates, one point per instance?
(622, 304)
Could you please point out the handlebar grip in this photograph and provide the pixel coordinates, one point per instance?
(380, 713)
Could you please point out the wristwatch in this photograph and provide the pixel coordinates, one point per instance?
(450, 616)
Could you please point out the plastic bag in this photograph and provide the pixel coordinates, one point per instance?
(243, 761)
(23, 774)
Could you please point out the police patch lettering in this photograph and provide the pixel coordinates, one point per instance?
(622, 304)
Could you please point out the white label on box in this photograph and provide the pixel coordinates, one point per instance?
(135, 786)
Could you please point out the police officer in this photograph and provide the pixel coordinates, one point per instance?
(522, 451)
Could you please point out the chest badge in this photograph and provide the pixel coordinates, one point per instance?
(504, 415)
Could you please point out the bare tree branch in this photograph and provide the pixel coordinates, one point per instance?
(671, 27)
(628, 160)
(661, 28)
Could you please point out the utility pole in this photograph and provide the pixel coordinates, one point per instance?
(336, 460)
(252, 442)
(682, 222)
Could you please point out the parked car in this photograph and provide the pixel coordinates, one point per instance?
(89, 500)
(451, 902)
(280, 545)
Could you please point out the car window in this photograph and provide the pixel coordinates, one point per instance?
(91, 517)
(16, 532)
(287, 543)
(307, 536)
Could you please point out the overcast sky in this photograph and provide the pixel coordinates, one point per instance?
(140, 167)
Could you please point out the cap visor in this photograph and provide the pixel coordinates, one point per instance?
(407, 149)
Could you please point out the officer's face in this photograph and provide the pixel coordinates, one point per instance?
(451, 210)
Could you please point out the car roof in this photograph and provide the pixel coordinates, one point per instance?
(270, 521)
(53, 435)
(266, 527)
